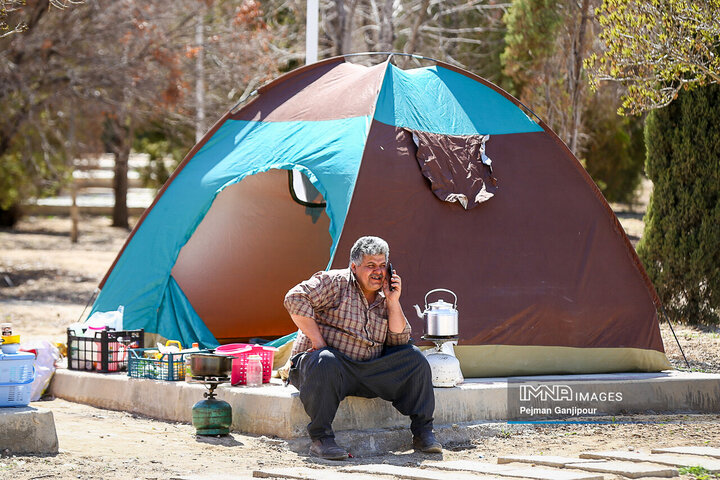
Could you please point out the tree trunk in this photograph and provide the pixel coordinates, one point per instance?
(74, 213)
(120, 144)
(341, 28)
(385, 37)
(120, 186)
(200, 76)
(575, 81)
(412, 43)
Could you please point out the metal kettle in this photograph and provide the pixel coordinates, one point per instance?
(441, 317)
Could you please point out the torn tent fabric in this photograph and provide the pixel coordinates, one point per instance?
(456, 167)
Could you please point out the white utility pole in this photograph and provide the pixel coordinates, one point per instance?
(311, 32)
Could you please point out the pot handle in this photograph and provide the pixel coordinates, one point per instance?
(441, 290)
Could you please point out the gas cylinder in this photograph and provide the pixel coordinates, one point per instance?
(212, 417)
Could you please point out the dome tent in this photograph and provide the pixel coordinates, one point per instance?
(546, 278)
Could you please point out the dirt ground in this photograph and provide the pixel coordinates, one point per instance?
(45, 282)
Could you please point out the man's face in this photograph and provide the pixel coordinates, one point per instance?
(370, 273)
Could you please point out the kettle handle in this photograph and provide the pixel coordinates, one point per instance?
(441, 290)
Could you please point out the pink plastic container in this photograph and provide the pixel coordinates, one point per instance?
(241, 352)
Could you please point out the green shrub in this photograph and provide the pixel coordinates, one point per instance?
(681, 244)
(615, 152)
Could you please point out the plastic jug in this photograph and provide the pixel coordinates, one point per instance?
(254, 371)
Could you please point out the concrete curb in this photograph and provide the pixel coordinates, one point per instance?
(479, 407)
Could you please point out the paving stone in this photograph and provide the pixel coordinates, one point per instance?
(618, 467)
(628, 469)
(701, 451)
(307, 473)
(709, 464)
(547, 460)
(415, 473)
(536, 473)
(203, 476)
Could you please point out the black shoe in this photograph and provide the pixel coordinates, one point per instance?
(327, 448)
(425, 442)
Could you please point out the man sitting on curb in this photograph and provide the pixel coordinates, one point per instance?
(353, 340)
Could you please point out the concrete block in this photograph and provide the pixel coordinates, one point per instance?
(709, 464)
(546, 460)
(27, 430)
(701, 451)
(627, 469)
(413, 473)
(307, 473)
(536, 473)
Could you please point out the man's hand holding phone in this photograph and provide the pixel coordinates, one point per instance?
(392, 286)
(389, 275)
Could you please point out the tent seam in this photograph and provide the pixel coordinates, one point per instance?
(371, 119)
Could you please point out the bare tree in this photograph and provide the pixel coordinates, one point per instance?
(467, 33)
(544, 58)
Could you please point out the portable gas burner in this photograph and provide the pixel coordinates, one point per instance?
(444, 365)
(211, 416)
(441, 328)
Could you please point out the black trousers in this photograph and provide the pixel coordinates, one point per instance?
(401, 375)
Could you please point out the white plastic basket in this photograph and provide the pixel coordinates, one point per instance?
(15, 395)
(16, 368)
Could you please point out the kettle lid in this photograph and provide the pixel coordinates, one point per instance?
(440, 304)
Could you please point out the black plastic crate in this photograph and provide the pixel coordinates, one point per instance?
(108, 351)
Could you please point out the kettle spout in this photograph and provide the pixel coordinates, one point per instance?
(419, 312)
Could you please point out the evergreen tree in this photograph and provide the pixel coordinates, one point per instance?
(615, 149)
(681, 244)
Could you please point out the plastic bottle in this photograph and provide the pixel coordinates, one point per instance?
(88, 349)
(186, 355)
(76, 330)
(254, 371)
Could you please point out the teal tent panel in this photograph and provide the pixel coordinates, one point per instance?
(180, 321)
(328, 152)
(279, 342)
(438, 100)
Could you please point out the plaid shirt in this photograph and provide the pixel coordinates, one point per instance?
(346, 321)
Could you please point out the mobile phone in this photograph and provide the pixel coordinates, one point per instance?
(389, 275)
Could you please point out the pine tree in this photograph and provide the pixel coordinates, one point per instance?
(681, 244)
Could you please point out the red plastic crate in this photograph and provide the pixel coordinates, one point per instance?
(241, 352)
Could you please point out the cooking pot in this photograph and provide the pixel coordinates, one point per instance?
(210, 365)
(441, 317)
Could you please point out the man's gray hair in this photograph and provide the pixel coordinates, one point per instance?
(368, 246)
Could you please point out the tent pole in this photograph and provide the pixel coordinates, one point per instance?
(667, 319)
(92, 297)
